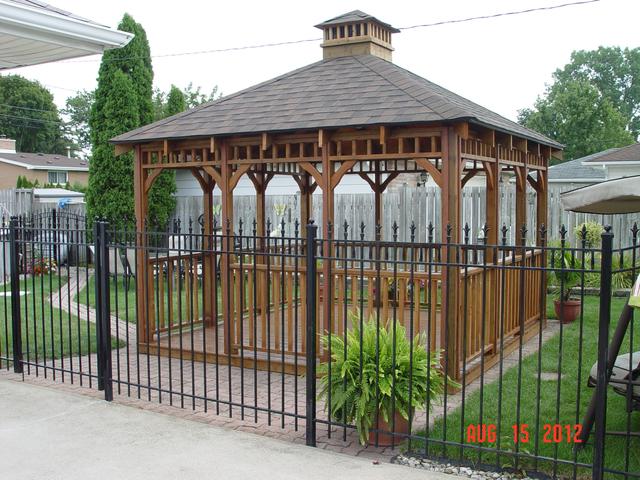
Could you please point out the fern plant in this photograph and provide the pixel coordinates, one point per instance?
(390, 362)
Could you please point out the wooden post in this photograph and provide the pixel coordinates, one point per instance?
(140, 206)
(493, 204)
(226, 276)
(521, 201)
(541, 202)
(327, 218)
(209, 295)
(377, 191)
(306, 203)
(452, 191)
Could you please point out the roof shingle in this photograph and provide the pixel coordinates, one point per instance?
(340, 92)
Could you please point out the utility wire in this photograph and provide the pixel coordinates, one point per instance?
(307, 40)
(497, 15)
(30, 119)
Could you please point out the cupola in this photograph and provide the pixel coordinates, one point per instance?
(356, 33)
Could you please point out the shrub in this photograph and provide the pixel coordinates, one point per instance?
(353, 384)
(592, 233)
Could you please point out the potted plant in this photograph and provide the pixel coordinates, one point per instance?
(372, 394)
(567, 277)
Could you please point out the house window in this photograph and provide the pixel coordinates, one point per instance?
(58, 178)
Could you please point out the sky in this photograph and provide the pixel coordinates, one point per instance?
(501, 63)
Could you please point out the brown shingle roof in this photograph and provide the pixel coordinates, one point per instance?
(44, 161)
(624, 154)
(340, 92)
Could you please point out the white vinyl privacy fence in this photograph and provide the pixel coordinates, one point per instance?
(411, 204)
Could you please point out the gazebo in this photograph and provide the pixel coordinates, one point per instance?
(352, 113)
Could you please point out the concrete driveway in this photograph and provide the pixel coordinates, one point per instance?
(47, 433)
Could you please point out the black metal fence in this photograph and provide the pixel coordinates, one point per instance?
(448, 350)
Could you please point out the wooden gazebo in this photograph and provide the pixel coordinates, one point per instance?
(352, 113)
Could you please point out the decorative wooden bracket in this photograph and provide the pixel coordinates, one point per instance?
(206, 185)
(383, 186)
(488, 170)
(521, 177)
(300, 180)
(469, 175)
(235, 177)
(260, 181)
(313, 171)
(151, 177)
(215, 174)
(431, 169)
(533, 182)
(344, 168)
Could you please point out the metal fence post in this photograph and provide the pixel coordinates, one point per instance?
(16, 325)
(103, 318)
(312, 231)
(603, 347)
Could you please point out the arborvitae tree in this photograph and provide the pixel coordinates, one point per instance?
(110, 192)
(175, 102)
(134, 62)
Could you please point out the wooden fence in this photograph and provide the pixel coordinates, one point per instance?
(418, 204)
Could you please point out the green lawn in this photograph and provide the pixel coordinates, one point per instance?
(123, 298)
(47, 332)
(571, 386)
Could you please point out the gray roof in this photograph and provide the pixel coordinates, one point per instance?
(354, 17)
(44, 161)
(624, 154)
(575, 171)
(340, 92)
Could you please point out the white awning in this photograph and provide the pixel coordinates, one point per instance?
(32, 32)
(621, 195)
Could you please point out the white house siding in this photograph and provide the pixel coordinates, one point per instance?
(619, 171)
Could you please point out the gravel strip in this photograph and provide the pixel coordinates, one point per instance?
(462, 471)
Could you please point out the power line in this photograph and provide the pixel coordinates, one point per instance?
(497, 15)
(24, 108)
(30, 119)
(307, 40)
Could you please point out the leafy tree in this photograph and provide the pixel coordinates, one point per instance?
(159, 102)
(577, 115)
(110, 194)
(194, 96)
(76, 112)
(28, 114)
(615, 72)
(593, 103)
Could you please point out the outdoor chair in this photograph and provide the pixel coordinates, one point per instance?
(620, 377)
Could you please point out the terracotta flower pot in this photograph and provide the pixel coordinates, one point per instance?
(568, 310)
(385, 438)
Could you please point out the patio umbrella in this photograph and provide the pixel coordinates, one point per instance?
(621, 195)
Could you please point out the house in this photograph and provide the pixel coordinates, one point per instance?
(597, 167)
(32, 32)
(45, 168)
(616, 162)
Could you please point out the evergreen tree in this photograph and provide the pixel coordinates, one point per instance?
(175, 102)
(133, 62)
(110, 192)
